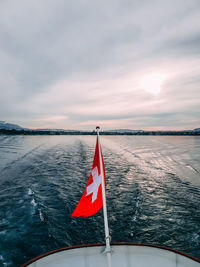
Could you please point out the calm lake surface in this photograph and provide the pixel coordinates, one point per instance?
(153, 193)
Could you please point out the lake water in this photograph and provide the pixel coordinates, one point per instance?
(153, 193)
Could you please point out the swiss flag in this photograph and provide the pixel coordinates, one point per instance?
(91, 201)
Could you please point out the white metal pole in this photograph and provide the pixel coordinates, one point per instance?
(107, 236)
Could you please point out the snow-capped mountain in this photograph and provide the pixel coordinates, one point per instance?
(9, 126)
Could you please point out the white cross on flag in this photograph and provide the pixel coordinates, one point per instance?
(94, 187)
(91, 201)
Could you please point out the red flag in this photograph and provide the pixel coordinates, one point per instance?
(91, 201)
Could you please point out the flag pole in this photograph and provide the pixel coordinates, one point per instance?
(107, 236)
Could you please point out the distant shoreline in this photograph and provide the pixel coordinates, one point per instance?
(52, 132)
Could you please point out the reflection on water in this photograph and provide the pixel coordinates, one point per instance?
(153, 193)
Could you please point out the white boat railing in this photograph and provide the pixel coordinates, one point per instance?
(123, 255)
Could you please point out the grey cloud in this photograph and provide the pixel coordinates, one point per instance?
(42, 44)
(187, 46)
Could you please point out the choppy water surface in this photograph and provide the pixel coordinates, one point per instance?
(153, 193)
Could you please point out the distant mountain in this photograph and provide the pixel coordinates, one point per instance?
(197, 130)
(9, 126)
(124, 131)
(54, 130)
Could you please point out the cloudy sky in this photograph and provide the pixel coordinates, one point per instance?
(118, 63)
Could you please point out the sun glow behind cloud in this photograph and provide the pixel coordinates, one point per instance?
(118, 102)
(153, 82)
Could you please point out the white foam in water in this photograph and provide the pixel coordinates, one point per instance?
(41, 215)
(30, 192)
(137, 202)
(3, 222)
(3, 232)
(134, 218)
(2, 261)
(33, 202)
(195, 238)
(131, 234)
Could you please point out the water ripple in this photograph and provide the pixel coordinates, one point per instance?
(152, 194)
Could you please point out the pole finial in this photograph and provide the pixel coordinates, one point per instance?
(97, 127)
